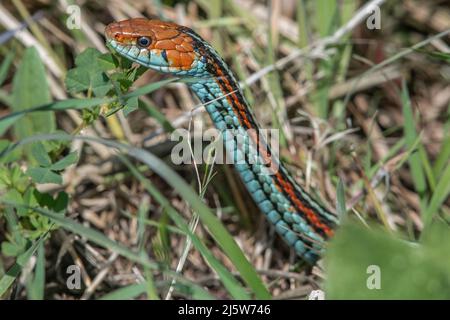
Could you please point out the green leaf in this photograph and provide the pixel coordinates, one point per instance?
(78, 80)
(40, 154)
(29, 197)
(61, 202)
(68, 160)
(12, 195)
(132, 105)
(106, 62)
(11, 249)
(30, 89)
(374, 264)
(17, 244)
(85, 78)
(44, 175)
(88, 75)
(43, 199)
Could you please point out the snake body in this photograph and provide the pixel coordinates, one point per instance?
(170, 48)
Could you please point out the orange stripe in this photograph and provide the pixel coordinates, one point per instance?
(242, 109)
(285, 186)
(309, 213)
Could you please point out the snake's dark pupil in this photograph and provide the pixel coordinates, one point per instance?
(143, 41)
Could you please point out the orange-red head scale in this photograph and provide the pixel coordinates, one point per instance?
(159, 45)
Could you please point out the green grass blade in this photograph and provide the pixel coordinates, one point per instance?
(152, 293)
(134, 290)
(36, 285)
(77, 104)
(325, 14)
(444, 155)
(341, 209)
(8, 279)
(69, 104)
(411, 136)
(4, 68)
(148, 88)
(233, 286)
(154, 113)
(428, 170)
(126, 293)
(302, 23)
(440, 194)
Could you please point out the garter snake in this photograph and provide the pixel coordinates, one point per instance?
(170, 48)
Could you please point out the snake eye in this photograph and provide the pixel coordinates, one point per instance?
(143, 42)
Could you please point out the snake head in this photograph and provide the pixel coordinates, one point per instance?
(163, 46)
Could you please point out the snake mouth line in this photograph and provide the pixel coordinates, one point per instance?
(124, 50)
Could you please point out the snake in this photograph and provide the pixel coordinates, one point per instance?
(169, 48)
